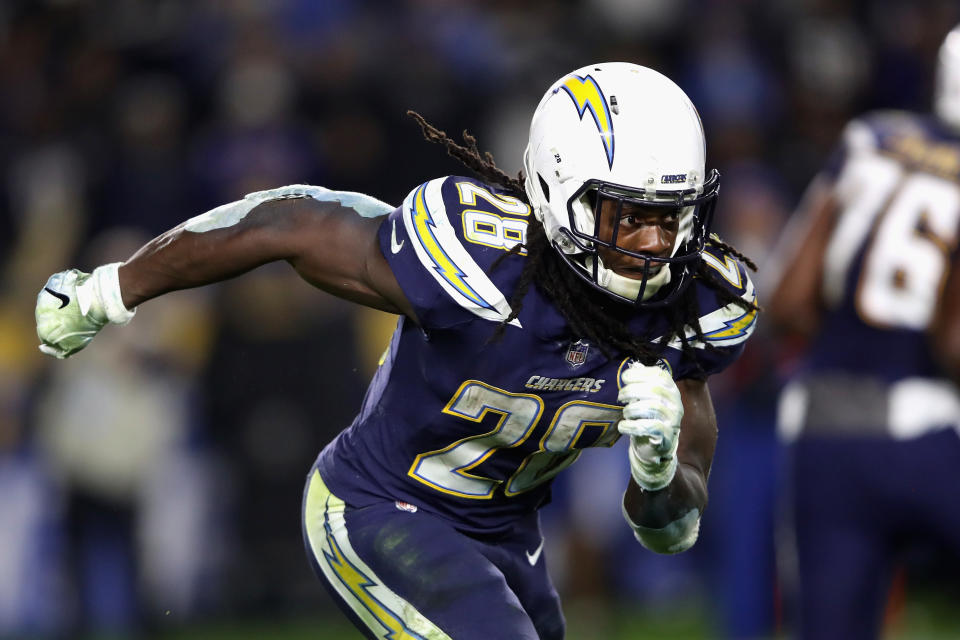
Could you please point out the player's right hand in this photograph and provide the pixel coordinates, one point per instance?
(67, 316)
(653, 409)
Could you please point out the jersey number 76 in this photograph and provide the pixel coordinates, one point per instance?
(908, 221)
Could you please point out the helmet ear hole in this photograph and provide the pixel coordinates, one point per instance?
(545, 187)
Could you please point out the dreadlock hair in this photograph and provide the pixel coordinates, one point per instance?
(604, 320)
(480, 163)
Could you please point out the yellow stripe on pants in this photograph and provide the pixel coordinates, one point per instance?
(383, 611)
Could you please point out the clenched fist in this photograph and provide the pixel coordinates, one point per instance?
(652, 413)
(73, 306)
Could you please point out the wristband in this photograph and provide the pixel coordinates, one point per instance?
(99, 296)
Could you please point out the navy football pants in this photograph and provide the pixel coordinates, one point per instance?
(407, 575)
(857, 503)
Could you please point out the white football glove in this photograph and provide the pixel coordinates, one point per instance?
(73, 306)
(652, 413)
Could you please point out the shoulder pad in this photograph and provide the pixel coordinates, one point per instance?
(729, 325)
(458, 227)
(875, 130)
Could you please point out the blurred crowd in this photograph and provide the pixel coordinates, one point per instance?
(156, 479)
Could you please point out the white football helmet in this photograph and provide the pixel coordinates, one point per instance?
(946, 94)
(620, 131)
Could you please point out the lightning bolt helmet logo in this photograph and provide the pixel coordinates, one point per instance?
(587, 96)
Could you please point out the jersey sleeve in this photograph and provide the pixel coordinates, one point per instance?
(442, 271)
(725, 326)
(858, 135)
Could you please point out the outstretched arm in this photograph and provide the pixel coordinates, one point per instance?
(664, 508)
(329, 245)
(326, 238)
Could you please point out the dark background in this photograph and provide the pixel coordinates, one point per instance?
(152, 484)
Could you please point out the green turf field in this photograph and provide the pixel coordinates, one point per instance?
(929, 615)
(931, 618)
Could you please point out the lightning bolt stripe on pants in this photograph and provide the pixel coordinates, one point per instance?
(385, 613)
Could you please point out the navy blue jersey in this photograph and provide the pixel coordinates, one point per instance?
(474, 429)
(897, 180)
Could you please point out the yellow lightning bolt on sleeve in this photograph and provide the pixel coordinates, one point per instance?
(737, 327)
(451, 273)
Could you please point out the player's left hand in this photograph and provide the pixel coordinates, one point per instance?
(653, 409)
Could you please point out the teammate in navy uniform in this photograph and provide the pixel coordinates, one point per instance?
(873, 415)
(537, 318)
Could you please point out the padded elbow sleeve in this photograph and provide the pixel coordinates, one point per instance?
(676, 537)
(230, 214)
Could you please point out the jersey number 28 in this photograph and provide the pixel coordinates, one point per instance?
(448, 469)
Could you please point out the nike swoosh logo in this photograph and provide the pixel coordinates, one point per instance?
(394, 245)
(64, 299)
(533, 557)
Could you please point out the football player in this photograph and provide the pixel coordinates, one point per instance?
(538, 317)
(873, 414)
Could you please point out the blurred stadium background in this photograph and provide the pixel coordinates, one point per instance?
(150, 487)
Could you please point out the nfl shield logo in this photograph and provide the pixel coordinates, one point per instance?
(577, 353)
